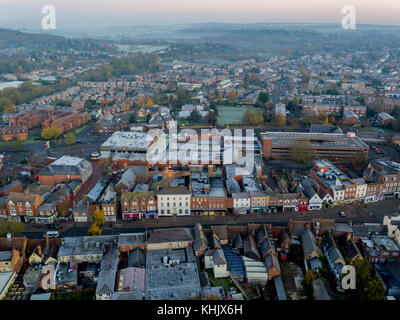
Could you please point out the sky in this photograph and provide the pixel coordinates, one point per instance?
(95, 13)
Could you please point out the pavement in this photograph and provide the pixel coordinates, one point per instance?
(365, 213)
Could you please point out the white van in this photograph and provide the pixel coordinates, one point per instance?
(52, 234)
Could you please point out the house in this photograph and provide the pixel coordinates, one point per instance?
(109, 204)
(220, 267)
(9, 260)
(284, 242)
(385, 118)
(108, 272)
(200, 244)
(136, 205)
(22, 206)
(127, 181)
(81, 210)
(14, 186)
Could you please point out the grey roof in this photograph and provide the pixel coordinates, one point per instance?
(108, 271)
(66, 165)
(120, 295)
(250, 248)
(174, 191)
(127, 178)
(136, 258)
(309, 242)
(170, 235)
(280, 290)
(315, 264)
(5, 255)
(219, 257)
(334, 254)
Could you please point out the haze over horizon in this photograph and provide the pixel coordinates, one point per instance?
(106, 13)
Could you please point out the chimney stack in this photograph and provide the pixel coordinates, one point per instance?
(47, 241)
(39, 250)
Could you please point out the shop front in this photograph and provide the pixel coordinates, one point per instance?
(259, 210)
(151, 215)
(131, 216)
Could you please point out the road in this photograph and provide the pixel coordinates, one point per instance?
(366, 213)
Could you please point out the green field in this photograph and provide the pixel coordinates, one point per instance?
(230, 115)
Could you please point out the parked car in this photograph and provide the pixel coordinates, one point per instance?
(342, 214)
(51, 234)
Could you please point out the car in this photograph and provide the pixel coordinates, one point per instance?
(342, 214)
(51, 234)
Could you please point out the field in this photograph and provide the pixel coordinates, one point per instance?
(230, 115)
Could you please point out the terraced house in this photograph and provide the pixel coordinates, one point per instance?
(136, 205)
(22, 206)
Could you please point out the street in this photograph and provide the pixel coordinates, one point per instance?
(365, 213)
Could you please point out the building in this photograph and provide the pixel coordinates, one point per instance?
(174, 201)
(65, 169)
(322, 108)
(108, 272)
(241, 202)
(172, 275)
(22, 206)
(109, 204)
(136, 205)
(278, 145)
(208, 194)
(16, 133)
(384, 119)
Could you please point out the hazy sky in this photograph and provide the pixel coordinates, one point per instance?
(85, 13)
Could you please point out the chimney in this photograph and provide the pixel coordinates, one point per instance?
(26, 191)
(39, 250)
(74, 204)
(137, 238)
(47, 241)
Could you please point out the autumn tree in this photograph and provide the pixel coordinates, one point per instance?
(263, 97)
(50, 133)
(94, 230)
(9, 108)
(99, 217)
(70, 138)
(232, 96)
(280, 120)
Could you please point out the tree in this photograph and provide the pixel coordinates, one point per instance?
(9, 108)
(302, 151)
(211, 118)
(99, 217)
(195, 116)
(232, 96)
(9, 226)
(149, 102)
(50, 133)
(368, 285)
(70, 138)
(263, 97)
(280, 120)
(132, 118)
(94, 230)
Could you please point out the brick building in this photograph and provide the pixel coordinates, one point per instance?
(65, 169)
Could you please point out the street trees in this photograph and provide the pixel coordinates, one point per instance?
(9, 226)
(51, 133)
(70, 138)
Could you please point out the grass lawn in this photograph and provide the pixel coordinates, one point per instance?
(226, 283)
(230, 114)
